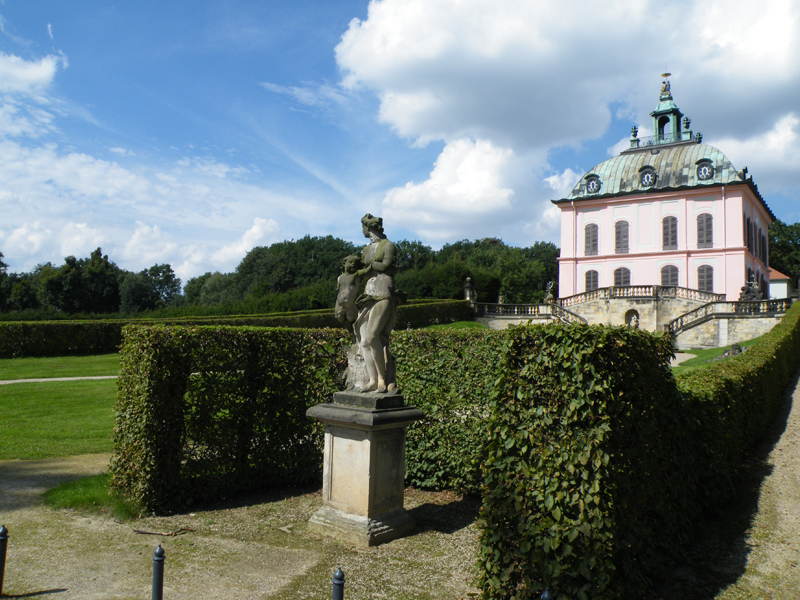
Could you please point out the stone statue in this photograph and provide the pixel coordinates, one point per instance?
(549, 298)
(371, 366)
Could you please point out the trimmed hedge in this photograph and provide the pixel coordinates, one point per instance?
(72, 338)
(598, 461)
(206, 412)
(584, 482)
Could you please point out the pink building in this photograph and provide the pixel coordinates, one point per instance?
(668, 211)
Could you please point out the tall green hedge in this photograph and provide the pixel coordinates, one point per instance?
(583, 480)
(69, 338)
(205, 412)
(598, 461)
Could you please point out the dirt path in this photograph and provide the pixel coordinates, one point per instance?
(257, 547)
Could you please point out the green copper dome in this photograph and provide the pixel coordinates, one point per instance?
(672, 167)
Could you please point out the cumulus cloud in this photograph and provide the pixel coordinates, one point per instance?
(20, 76)
(262, 233)
(79, 239)
(562, 183)
(28, 238)
(466, 182)
(772, 157)
(149, 245)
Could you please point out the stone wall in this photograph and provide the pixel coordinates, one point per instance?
(502, 322)
(723, 331)
(653, 313)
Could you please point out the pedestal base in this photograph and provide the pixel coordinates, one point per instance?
(359, 530)
(364, 465)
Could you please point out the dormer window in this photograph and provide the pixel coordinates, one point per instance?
(705, 169)
(593, 184)
(647, 177)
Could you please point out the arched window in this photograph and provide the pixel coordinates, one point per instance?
(663, 128)
(669, 275)
(621, 237)
(591, 232)
(705, 231)
(591, 280)
(669, 234)
(705, 278)
(622, 277)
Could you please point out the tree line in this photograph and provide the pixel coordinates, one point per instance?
(286, 276)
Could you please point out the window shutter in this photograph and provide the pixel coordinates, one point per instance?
(705, 278)
(591, 239)
(591, 281)
(705, 231)
(669, 275)
(621, 237)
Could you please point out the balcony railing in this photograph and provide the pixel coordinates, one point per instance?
(657, 140)
(641, 291)
(722, 309)
(548, 311)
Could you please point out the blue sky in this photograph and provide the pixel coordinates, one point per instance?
(191, 132)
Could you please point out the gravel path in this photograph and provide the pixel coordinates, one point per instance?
(253, 548)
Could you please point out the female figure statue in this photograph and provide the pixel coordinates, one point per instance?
(377, 307)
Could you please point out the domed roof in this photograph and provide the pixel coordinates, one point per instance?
(672, 167)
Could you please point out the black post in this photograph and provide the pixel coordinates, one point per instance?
(3, 548)
(158, 574)
(547, 594)
(338, 585)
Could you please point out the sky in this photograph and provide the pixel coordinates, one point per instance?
(189, 132)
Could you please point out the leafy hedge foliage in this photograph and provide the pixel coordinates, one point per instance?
(583, 482)
(735, 400)
(598, 462)
(205, 412)
(68, 338)
(448, 375)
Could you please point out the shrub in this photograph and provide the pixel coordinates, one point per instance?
(205, 412)
(584, 482)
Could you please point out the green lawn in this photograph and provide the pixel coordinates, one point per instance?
(46, 420)
(62, 366)
(703, 356)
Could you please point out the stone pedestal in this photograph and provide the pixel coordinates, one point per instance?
(364, 465)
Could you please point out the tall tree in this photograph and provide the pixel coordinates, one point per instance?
(4, 291)
(784, 248)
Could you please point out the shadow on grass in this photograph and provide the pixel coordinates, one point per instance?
(446, 518)
(716, 558)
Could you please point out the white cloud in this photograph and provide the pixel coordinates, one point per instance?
(309, 95)
(771, 157)
(149, 245)
(562, 183)
(121, 151)
(262, 233)
(210, 166)
(28, 238)
(467, 183)
(19, 76)
(50, 30)
(78, 239)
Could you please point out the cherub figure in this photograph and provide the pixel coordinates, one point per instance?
(347, 285)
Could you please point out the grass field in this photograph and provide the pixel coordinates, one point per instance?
(64, 418)
(61, 366)
(702, 357)
(458, 325)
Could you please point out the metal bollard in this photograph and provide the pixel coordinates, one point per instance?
(3, 548)
(158, 574)
(547, 594)
(338, 585)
